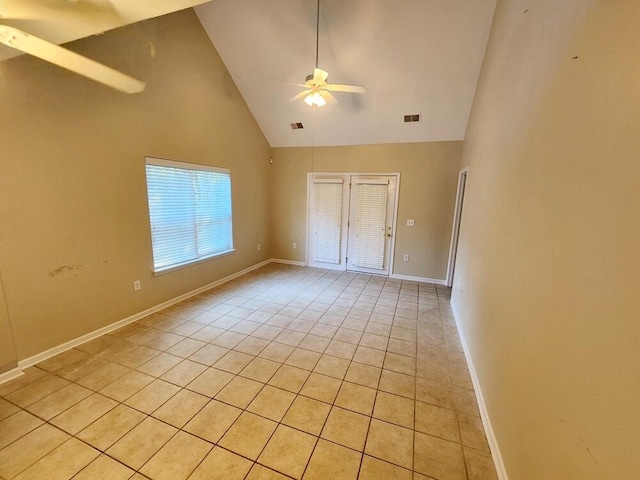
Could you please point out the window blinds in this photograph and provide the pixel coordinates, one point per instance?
(327, 220)
(189, 212)
(371, 220)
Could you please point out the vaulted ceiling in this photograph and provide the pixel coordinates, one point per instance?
(413, 56)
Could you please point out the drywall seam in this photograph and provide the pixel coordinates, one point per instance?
(484, 414)
(437, 281)
(40, 357)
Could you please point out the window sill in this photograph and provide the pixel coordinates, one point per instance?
(180, 266)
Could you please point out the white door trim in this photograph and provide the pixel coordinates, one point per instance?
(455, 230)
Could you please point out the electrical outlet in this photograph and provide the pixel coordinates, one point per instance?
(258, 247)
(295, 245)
(136, 285)
(405, 258)
(410, 222)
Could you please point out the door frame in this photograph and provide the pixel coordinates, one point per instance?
(347, 176)
(457, 218)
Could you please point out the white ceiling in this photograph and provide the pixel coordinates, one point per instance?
(413, 56)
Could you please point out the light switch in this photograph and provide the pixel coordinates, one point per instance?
(410, 222)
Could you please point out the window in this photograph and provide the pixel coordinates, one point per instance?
(189, 212)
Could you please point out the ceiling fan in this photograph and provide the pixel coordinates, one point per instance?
(52, 53)
(318, 91)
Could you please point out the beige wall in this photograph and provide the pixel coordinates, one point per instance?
(74, 230)
(7, 348)
(547, 280)
(428, 180)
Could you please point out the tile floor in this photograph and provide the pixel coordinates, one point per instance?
(285, 372)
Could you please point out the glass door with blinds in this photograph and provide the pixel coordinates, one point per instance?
(352, 221)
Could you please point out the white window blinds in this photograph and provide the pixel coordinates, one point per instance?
(371, 220)
(189, 212)
(327, 220)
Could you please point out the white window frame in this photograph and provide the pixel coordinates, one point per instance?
(160, 162)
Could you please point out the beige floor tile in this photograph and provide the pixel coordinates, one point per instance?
(181, 408)
(402, 347)
(356, 397)
(62, 360)
(332, 366)
(17, 425)
(165, 341)
(151, 397)
(341, 349)
(438, 458)
(321, 387)
(290, 337)
(346, 428)
(208, 333)
(37, 390)
(159, 364)
(63, 462)
(184, 373)
(104, 468)
(59, 401)
(252, 345)
(233, 362)
(394, 409)
(267, 332)
(141, 443)
(111, 427)
(289, 378)
(271, 403)
(213, 421)
(229, 339)
(374, 469)
(400, 363)
(260, 369)
(472, 432)
(391, 443)
(126, 386)
(288, 451)
(177, 458)
(136, 356)
(304, 359)
(258, 472)
(103, 376)
(479, 465)
(248, 435)
(437, 421)
(362, 374)
(332, 461)
(222, 465)
(276, 352)
(83, 413)
(348, 335)
(315, 343)
(210, 382)
(7, 409)
(29, 449)
(369, 356)
(186, 347)
(372, 340)
(465, 401)
(239, 392)
(434, 392)
(398, 383)
(307, 415)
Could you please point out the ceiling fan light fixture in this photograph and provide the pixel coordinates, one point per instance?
(315, 99)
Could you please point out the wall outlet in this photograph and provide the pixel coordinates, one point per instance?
(410, 222)
(258, 247)
(295, 245)
(136, 285)
(405, 258)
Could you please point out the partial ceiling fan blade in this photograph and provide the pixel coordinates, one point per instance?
(69, 60)
(300, 96)
(319, 76)
(328, 97)
(334, 87)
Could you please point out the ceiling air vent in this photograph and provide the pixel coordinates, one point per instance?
(297, 126)
(412, 118)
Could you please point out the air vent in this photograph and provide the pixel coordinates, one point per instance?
(412, 118)
(297, 126)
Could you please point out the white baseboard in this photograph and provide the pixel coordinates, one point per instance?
(484, 414)
(40, 357)
(437, 281)
(11, 374)
(288, 262)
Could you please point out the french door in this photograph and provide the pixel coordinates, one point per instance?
(352, 221)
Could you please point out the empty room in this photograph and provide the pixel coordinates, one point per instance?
(319, 239)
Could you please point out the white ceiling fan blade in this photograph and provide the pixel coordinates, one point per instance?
(319, 76)
(334, 87)
(328, 97)
(64, 58)
(301, 95)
